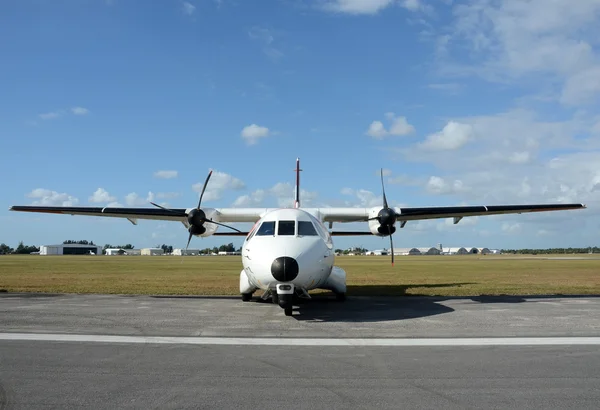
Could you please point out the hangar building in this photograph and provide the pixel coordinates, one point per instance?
(70, 249)
(152, 251)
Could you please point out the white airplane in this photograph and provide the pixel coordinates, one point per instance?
(289, 251)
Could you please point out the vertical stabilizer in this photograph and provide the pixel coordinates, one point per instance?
(297, 193)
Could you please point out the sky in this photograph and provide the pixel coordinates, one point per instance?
(473, 102)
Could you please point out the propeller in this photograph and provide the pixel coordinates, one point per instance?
(197, 217)
(387, 219)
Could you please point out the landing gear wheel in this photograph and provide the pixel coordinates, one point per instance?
(340, 297)
(288, 311)
(246, 297)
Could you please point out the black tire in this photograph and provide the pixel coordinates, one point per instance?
(340, 297)
(288, 311)
(246, 297)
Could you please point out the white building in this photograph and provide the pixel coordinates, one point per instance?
(120, 251)
(379, 252)
(189, 252)
(152, 251)
(70, 249)
(229, 253)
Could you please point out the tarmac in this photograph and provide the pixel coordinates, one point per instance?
(109, 351)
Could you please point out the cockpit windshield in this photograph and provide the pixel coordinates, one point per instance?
(266, 229)
(286, 228)
(306, 228)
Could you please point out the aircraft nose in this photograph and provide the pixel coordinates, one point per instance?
(284, 269)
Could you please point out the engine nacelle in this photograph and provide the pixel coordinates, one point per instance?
(209, 228)
(375, 227)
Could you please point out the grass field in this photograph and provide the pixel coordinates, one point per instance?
(367, 275)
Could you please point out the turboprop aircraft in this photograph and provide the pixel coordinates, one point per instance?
(289, 251)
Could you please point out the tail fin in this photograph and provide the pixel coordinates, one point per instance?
(297, 193)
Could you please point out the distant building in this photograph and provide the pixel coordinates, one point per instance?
(121, 251)
(189, 252)
(229, 253)
(379, 252)
(70, 249)
(455, 251)
(406, 251)
(429, 251)
(152, 251)
(484, 251)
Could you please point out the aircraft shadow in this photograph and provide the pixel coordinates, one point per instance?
(324, 307)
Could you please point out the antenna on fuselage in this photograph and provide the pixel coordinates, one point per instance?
(297, 193)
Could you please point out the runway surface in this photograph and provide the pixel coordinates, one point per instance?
(100, 351)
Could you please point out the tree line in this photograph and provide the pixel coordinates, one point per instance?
(27, 249)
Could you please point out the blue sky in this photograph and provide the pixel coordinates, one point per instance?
(461, 102)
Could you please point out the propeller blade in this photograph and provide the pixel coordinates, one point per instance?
(219, 223)
(385, 204)
(204, 188)
(186, 246)
(391, 243)
(161, 207)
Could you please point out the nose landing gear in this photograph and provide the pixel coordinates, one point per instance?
(285, 295)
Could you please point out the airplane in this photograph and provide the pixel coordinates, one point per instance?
(289, 251)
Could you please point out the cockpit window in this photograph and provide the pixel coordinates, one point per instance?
(267, 228)
(306, 228)
(286, 228)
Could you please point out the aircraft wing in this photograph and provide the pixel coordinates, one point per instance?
(252, 215)
(161, 214)
(418, 213)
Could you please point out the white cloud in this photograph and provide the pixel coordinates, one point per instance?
(253, 199)
(511, 228)
(252, 133)
(370, 7)
(133, 199)
(362, 197)
(266, 37)
(50, 115)
(219, 182)
(544, 42)
(437, 185)
(377, 130)
(399, 126)
(80, 111)
(166, 174)
(357, 6)
(412, 5)
(101, 196)
(167, 195)
(453, 136)
(46, 197)
(448, 87)
(582, 87)
(188, 8)
(281, 195)
(519, 157)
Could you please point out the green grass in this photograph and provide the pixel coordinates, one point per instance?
(367, 275)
